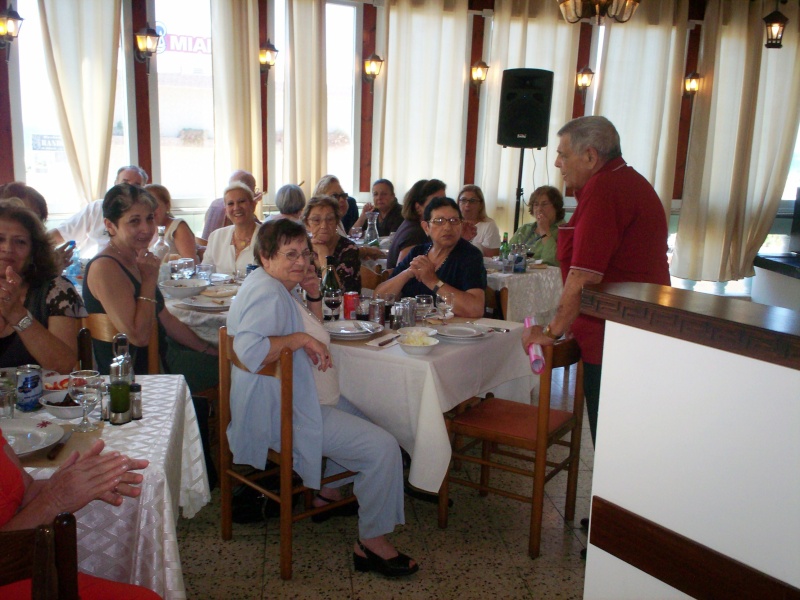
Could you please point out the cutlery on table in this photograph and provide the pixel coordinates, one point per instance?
(389, 341)
(59, 445)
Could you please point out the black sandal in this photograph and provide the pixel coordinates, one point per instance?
(345, 510)
(399, 566)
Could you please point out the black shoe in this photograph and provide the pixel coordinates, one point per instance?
(345, 510)
(399, 566)
(248, 505)
(585, 523)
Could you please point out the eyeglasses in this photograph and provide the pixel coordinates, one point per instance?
(342, 196)
(440, 221)
(293, 255)
(317, 221)
(469, 201)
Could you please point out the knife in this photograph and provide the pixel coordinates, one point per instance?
(389, 341)
(61, 443)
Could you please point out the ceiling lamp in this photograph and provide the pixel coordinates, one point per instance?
(619, 10)
(775, 23)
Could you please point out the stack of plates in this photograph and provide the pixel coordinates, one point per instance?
(26, 436)
(462, 333)
(352, 330)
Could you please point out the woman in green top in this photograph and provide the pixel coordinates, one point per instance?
(546, 205)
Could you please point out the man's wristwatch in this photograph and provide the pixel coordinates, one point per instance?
(24, 323)
(550, 334)
(438, 286)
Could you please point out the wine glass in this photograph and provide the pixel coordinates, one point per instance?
(356, 233)
(332, 300)
(445, 302)
(84, 388)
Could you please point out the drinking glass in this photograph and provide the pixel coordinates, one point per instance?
(204, 272)
(8, 398)
(186, 267)
(333, 300)
(445, 302)
(424, 305)
(356, 233)
(389, 300)
(84, 388)
(175, 269)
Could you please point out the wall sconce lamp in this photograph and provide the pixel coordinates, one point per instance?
(146, 45)
(691, 84)
(267, 56)
(372, 68)
(775, 23)
(10, 23)
(478, 74)
(583, 80)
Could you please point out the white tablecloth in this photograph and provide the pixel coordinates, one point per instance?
(406, 395)
(137, 542)
(536, 291)
(205, 324)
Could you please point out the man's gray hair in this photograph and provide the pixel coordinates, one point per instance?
(290, 199)
(142, 173)
(244, 177)
(593, 132)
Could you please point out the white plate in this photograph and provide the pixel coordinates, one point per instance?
(27, 436)
(435, 314)
(429, 331)
(462, 332)
(50, 380)
(207, 304)
(352, 330)
(221, 278)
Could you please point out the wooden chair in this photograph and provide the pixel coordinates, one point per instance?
(48, 555)
(496, 306)
(281, 369)
(103, 330)
(497, 422)
(370, 279)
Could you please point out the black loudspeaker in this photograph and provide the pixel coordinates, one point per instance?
(525, 98)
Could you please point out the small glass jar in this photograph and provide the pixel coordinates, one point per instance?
(136, 401)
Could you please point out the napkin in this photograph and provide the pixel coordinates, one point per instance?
(383, 338)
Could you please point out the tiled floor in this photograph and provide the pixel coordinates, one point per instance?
(481, 554)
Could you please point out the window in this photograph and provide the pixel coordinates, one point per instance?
(46, 165)
(793, 181)
(186, 100)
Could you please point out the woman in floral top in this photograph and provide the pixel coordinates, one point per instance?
(39, 309)
(321, 217)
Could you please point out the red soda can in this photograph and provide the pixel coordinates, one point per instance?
(350, 305)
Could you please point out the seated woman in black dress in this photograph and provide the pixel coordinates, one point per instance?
(39, 309)
(446, 263)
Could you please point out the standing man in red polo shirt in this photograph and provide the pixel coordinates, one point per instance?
(617, 233)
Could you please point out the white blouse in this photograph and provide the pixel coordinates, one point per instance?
(488, 235)
(327, 382)
(221, 254)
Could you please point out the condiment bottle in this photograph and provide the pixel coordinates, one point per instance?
(119, 406)
(136, 401)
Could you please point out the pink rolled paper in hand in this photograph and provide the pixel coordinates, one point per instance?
(535, 351)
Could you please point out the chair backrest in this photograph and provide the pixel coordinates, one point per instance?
(370, 279)
(496, 303)
(103, 330)
(282, 369)
(48, 555)
(563, 353)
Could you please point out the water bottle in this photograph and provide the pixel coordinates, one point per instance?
(371, 237)
(73, 270)
(161, 247)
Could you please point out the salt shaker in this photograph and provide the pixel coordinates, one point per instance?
(136, 401)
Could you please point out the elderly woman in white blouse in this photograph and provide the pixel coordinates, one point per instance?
(268, 316)
(230, 249)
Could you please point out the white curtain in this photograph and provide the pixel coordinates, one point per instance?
(305, 126)
(743, 135)
(525, 34)
(425, 93)
(83, 74)
(237, 89)
(640, 85)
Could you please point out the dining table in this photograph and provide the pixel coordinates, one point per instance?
(407, 395)
(137, 542)
(535, 292)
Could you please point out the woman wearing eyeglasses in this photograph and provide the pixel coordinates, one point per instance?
(321, 218)
(268, 317)
(546, 205)
(473, 207)
(447, 263)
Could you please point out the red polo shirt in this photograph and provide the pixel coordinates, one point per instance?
(619, 231)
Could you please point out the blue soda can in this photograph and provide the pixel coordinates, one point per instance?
(250, 269)
(29, 387)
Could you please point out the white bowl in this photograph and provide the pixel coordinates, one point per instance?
(418, 350)
(62, 412)
(183, 288)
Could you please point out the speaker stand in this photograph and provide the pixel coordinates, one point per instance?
(519, 191)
